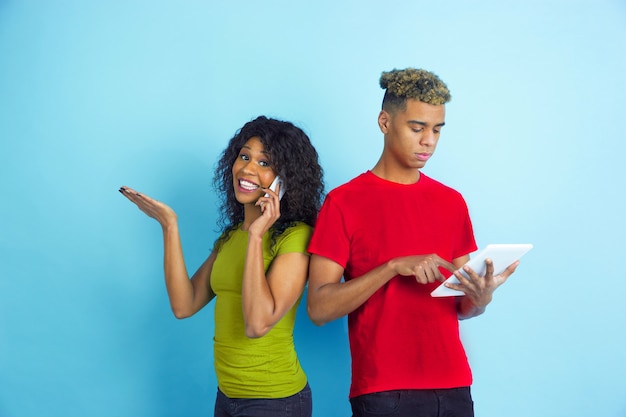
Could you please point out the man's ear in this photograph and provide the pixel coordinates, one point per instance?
(383, 121)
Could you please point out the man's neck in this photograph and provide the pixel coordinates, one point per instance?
(396, 174)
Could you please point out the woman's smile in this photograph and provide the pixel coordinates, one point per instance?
(247, 186)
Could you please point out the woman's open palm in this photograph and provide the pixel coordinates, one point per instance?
(153, 208)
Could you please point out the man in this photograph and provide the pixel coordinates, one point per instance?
(391, 233)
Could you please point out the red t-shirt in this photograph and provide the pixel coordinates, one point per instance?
(401, 337)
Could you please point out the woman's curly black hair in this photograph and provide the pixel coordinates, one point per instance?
(292, 156)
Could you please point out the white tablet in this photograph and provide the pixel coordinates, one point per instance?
(502, 256)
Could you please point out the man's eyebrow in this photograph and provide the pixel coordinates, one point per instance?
(419, 122)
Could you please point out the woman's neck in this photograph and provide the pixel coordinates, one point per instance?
(251, 212)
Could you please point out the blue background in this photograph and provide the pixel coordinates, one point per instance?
(95, 95)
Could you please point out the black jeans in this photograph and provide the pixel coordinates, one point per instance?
(454, 402)
(297, 405)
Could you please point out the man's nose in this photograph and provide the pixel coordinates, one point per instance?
(429, 138)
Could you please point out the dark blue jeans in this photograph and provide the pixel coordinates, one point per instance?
(455, 402)
(297, 405)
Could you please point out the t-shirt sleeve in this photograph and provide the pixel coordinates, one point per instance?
(294, 239)
(466, 242)
(330, 238)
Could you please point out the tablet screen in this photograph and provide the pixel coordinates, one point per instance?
(502, 255)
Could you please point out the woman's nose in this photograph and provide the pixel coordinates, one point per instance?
(249, 168)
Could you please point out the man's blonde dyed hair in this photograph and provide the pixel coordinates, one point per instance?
(412, 83)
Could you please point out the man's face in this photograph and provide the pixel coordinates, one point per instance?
(411, 135)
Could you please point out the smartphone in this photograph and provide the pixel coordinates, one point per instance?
(274, 185)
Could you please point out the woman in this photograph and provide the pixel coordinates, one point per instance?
(257, 270)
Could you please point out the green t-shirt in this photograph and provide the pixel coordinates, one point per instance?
(265, 367)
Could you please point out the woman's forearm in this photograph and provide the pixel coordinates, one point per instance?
(258, 303)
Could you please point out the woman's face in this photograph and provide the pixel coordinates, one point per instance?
(251, 171)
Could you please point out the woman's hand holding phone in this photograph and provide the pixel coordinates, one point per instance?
(270, 207)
